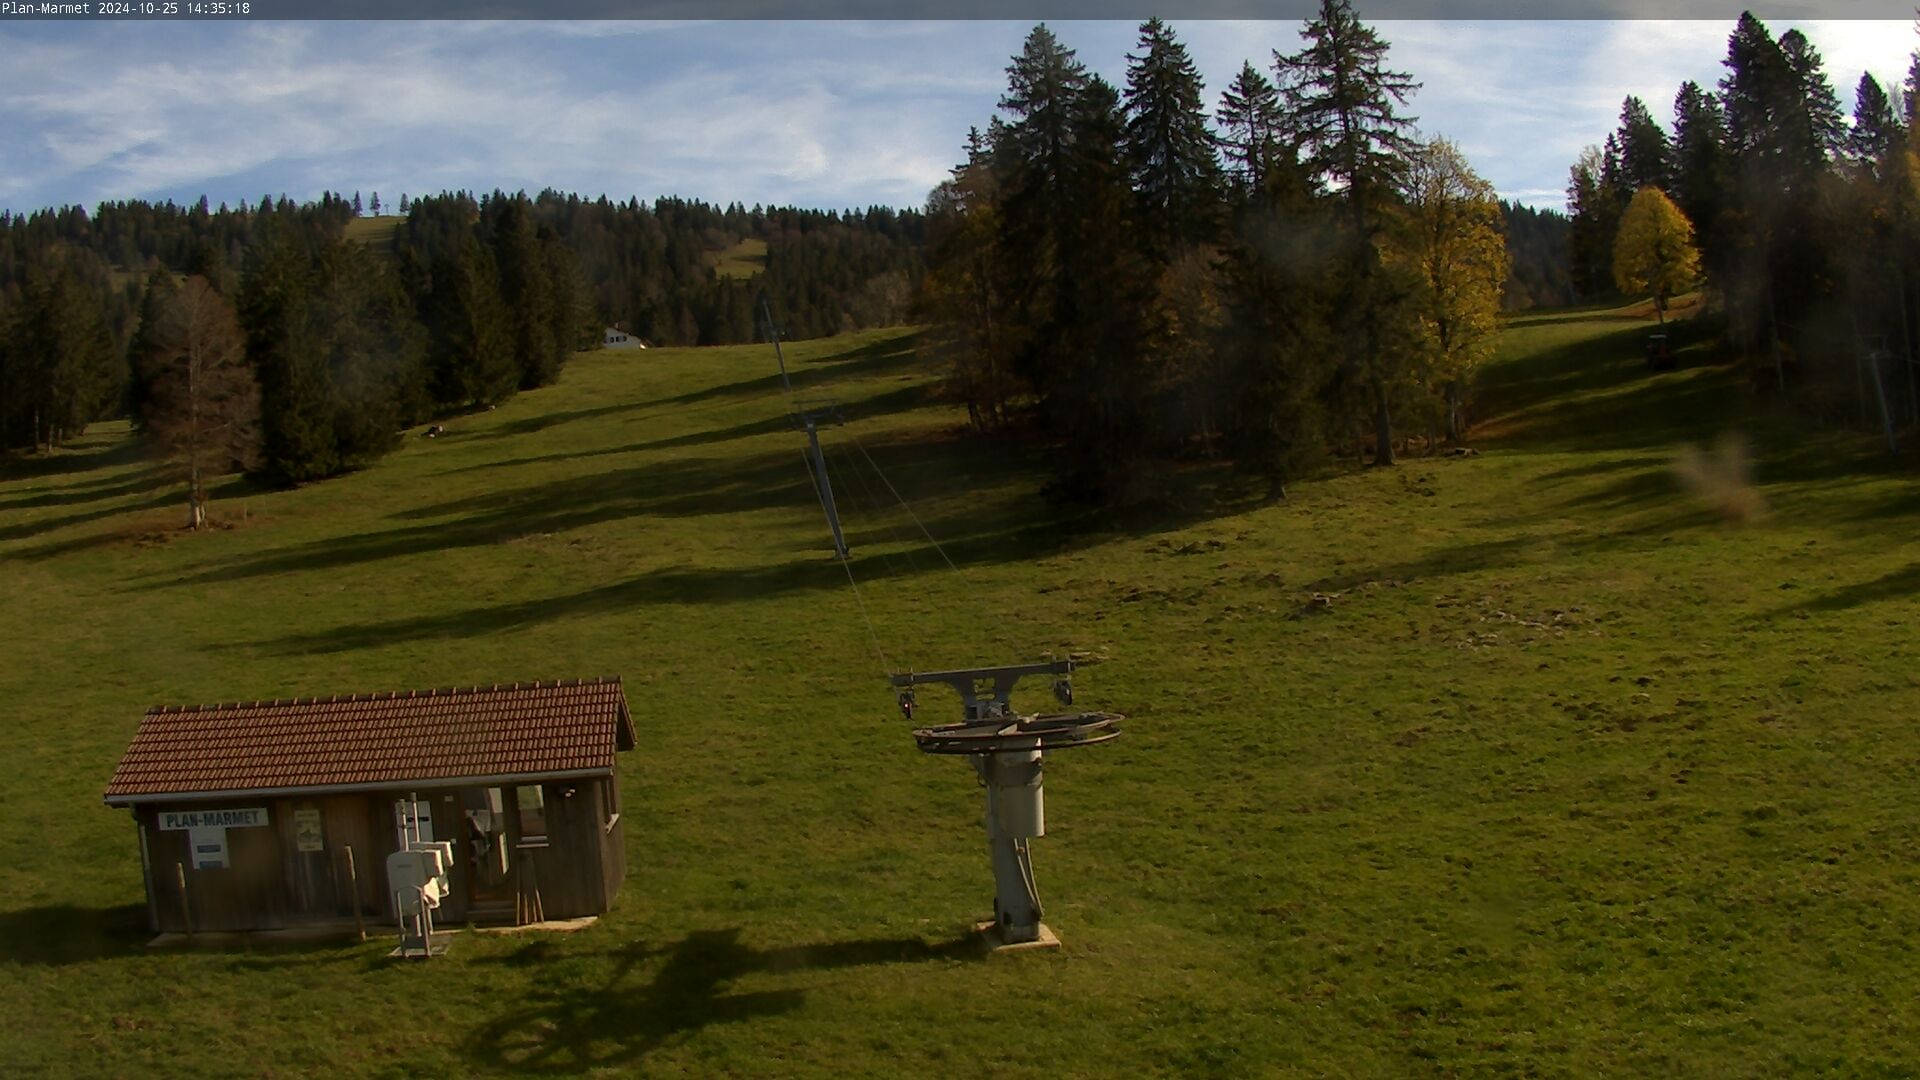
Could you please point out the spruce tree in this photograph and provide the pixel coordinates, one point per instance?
(1250, 119)
(1702, 171)
(1168, 146)
(1644, 153)
(1030, 151)
(296, 394)
(1345, 103)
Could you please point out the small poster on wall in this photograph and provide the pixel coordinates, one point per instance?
(307, 834)
(209, 844)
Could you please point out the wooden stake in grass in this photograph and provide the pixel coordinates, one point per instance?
(186, 909)
(353, 887)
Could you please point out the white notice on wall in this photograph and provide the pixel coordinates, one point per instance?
(307, 835)
(209, 845)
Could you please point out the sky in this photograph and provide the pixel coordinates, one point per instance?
(817, 114)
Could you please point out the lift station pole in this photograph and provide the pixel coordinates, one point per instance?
(1006, 750)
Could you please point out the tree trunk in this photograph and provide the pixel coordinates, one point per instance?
(1382, 428)
(196, 500)
(1453, 413)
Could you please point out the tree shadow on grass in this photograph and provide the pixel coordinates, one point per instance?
(566, 1028)
(29, 529)
(99, 452)
(873, 358)
(897, 400)
(86, 491)
(1893, 585)
(813, 569)
(682, 488)
(62, 934)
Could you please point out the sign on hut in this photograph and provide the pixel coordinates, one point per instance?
(272, 815)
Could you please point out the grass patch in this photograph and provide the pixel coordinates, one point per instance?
(375, 232)
(745, 259)
(1510, 764)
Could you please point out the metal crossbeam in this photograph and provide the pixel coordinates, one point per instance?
(972, 684)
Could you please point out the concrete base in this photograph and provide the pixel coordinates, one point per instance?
(990, 933)
(551, 926)
(336, 931)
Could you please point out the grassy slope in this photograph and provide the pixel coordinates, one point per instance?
(745, 259)
(375, 232)
(1568, 779)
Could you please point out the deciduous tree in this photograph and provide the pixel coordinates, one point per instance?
(203, 404)
(1654, 251)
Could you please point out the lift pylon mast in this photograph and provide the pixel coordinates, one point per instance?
(808, 419)
(1007, 751)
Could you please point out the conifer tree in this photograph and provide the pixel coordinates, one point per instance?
(1250, 120)
(1030, 151)
(1702, 171)
(296, 394)
(1345, 105)
(1171, 152)
(1644, 154)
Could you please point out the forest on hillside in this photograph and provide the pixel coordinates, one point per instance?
(473, 299)
(1290, 275)
(1802, 223)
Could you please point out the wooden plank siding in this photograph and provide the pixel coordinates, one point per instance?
(269, 884)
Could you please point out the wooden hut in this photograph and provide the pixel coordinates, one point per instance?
(280, 814)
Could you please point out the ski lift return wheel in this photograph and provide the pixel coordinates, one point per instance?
(999, 735)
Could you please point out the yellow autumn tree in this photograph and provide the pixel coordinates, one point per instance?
(1459, 245)
(1653, 252)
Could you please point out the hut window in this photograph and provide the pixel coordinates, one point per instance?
(533, 814)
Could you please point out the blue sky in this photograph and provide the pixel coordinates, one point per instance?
(825, 114)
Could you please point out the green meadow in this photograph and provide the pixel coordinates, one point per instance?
(745, 259)
(1523, 763)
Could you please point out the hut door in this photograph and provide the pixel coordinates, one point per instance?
(313, 891)
(489, 849)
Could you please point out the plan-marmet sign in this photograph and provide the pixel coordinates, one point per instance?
(213, 819)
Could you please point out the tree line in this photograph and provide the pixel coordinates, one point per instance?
(345, 345)
(1298, 274)
(1806, 220)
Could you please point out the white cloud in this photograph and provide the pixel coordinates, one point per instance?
(823, 113)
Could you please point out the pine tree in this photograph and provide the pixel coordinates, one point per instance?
(373, 205)
(1168, 146)
(296, 395)
(1876, 131)
(156, 307)
(1702, 170)
(1098, 394)
(1278, 292)
(1250, 119)
(1345, 105)
(1644, 153)
(1030, 151)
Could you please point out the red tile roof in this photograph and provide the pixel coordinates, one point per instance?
(375, 740)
